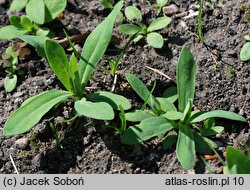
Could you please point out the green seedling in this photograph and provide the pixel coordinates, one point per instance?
(160, 4)
(236, 161)
(9, 62)
(245, 51)
(139, 29)
(74, 77)
(38, 12)
(189, 130)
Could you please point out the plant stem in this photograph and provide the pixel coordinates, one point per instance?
(200, 34)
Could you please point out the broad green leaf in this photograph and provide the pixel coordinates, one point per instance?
(10, 32)
(171, 94)
(96, 44)
(162, 3)
(237, 161)
(159, 23)
(54, 8)
(173, 115)
(185, 148)
(166, 105)
(26, 23)
(114, 100)
(213, 131)
(74, 76)
(58, 62)
(37, 42)
(245, 52)
(35, 10)
(30, 114)
(141, 89)
(16, 21)
(10, 83)
(185, 78)
(155, 40)
(138, 115)
(18, 5)
(169, 140)
(202, 144)
(132, 13)
(97, 110)
(129, 29)
(148, 128)
(200, 116)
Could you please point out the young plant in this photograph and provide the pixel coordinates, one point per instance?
(236, 161)
(38, 12)
(181, 125)
(74, 77)
(9, 62)
(160, 4)
(245, 51)
(110, 5)
(139, 29)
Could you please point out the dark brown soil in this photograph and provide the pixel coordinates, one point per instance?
(222, 83)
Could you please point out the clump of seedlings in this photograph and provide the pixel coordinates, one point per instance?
(38, 12)
(188, 129)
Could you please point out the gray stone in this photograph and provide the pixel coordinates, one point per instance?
(170, 10)
(21, 143)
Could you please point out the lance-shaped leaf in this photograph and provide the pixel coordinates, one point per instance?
(185, 148)
(138, 115)
(95, 110)
(203, 144)
(200, 116)
(112, 99)
(31, 112)
(96, 44)
(58, 62)
(11, 32)
(185, 78)
(147, 129)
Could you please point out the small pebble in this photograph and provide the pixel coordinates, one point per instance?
(21, 143)
(170, 10)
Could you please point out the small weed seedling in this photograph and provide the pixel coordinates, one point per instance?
(140, 30)
(110, 5)
(245, 51)
(181, 125)
(236, 161)
(38, 12)
(9, 62)
(160, 4)
(74, 77)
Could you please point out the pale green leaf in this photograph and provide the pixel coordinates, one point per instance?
(155, 40)
(138, 115)
(173, 115)
(74, 76)
(132, 13)
(200, 116)
(185, 149)
(159, 23)
(96, 45)
(10, 83)
(245, 52)
(54, 8)
(166, 105)
(129, 29)
(35, 10)
(10, 32)
(186, 71)
(18, 5)
(114, 100)
(95, 110)
(161, 3)
(58, 62)
(30, 114)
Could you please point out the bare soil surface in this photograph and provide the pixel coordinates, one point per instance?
(222, 83)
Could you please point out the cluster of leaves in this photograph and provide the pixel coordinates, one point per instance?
(245, 51)
(38, 12)
(74, 77)
(9, 62)
(140, 30)
(180, 126)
